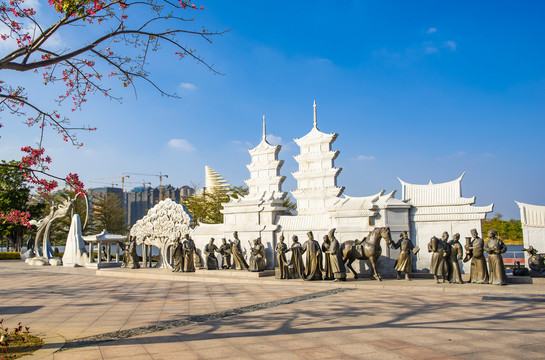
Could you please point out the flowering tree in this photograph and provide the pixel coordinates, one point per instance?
(115, 39)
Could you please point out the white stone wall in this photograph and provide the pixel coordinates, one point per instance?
(532, 218)
(421, 233)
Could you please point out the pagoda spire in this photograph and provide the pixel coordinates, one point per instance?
(264, 128)
(315, 117)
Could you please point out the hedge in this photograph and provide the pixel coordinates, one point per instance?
(10, 255)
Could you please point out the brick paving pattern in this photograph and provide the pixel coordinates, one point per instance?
(410, 322)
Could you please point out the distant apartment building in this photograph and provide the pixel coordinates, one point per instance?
(105, 191)
(141, 199)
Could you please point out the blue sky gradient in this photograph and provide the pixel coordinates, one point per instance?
(418, 90)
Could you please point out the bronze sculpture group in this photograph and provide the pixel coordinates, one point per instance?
(328, 260)
(184, 255)
(446, 256)
(321, 262)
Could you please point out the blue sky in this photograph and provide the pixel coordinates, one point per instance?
(418, 90)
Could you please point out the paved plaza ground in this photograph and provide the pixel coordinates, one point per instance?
(121, 316)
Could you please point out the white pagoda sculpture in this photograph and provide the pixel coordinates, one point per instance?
(424, 210)
(254, 215)
(265, 180)
(316, 179)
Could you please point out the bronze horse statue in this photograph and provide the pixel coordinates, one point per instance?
(369, 249)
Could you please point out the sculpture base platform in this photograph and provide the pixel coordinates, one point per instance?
(103, 265)
(235, 273)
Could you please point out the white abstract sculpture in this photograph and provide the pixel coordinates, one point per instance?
(213, 180)
(75, 253)
(163, 224)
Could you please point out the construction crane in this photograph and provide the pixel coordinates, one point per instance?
(122, 177)
(104, 183)
(160, 176)
(145, 183)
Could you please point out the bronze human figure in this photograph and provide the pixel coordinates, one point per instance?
(478, 272)
(336, 257)
(495, 247)
(130, 257)
(296, 260)
(404, 262)
(239, 263)
(188, 246)
(225, 251)
(439, 251)
(210, 255)
(536, 262)
(328, 272)
(469, 252)
(367, 249)
(133, 260)
(257, 257)
(281, 250)
(455, 256)
(313, 269)
(178, 256)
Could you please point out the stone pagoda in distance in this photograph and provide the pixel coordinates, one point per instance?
(424, 210)
(254, 215)
(316, 179)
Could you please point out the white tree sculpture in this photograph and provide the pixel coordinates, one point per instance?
(162, 225)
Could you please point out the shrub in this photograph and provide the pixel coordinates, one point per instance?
(10, 255)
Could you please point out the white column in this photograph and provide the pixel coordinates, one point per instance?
(91, 252)
(144, 256)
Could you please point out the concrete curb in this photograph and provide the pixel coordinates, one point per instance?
(417, 284)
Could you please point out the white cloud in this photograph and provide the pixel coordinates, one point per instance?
(35, 4)
(187, 86)
(385, 53)
(274, 140)
(181, 144)
(431, 30)
(55, 41)
(364, 158)
(324, 61)
(430, 50)
(458, 154)
(451, 45)
(239, 142)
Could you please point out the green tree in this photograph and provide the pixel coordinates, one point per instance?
(108, 214)
(509, 231)
(205, 207)
(15, 197)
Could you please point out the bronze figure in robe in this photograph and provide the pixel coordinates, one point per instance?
(495, 247)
